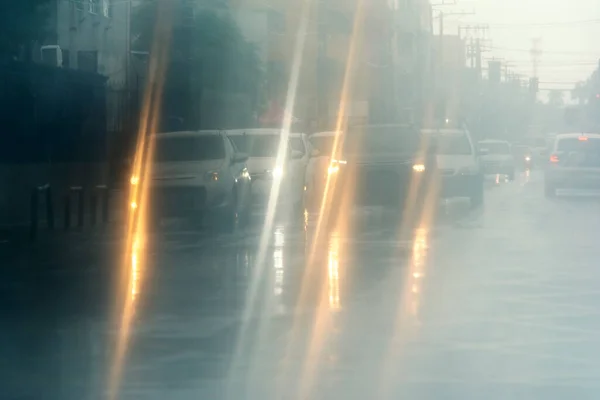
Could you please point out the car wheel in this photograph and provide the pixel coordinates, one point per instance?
(549, 190)
(476, 196)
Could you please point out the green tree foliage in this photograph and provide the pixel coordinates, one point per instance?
(22, 22)
(212, 69)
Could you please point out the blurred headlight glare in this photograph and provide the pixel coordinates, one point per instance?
(418, 167)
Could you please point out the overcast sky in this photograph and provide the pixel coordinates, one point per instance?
(569, 33)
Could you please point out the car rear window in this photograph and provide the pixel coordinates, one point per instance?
(198, 148)
(579, 145)
(257, 145)
(453, 144)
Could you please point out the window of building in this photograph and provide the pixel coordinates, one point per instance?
(107, 8)
(87, 61)
(79, 5)
(94, 6)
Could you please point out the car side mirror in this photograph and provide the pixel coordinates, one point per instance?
(296, 155)
(239, 158)
(315, 153)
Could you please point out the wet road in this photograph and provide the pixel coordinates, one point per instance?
(499, 303)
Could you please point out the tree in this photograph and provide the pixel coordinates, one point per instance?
(556, 98)
(21, 24)
(210, 64)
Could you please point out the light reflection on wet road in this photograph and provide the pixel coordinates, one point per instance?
(496, 304)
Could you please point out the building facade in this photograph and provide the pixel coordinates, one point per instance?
(90, 35)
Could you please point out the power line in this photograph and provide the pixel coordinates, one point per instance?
(547, 24)
(562, 52)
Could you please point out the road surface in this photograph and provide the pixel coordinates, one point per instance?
(500, 303)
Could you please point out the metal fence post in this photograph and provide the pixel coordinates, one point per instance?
(67, 212)
(49, 208)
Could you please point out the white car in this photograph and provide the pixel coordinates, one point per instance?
(574, 163)
(458, 163)
(497, 158)
(198, 174)
(262, 147)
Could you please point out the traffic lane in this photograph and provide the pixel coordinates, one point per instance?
(196, 299)
(510, 310)
(502, 307)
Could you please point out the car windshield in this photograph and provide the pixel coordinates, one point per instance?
(257, 145)
(495, 148)
(323, 143)
(381, 139)
(200, 148)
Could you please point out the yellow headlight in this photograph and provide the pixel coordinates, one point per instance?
(333, 169)
(418, 167)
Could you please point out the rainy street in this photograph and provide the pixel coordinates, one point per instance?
(498, 303)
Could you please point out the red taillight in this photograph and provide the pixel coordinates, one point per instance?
(554, 158)
(583, 138)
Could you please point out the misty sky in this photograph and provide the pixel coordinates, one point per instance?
(570, 50)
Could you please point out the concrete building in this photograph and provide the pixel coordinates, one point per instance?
(90, 35)
(412, 51)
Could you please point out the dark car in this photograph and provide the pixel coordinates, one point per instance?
(384, 165)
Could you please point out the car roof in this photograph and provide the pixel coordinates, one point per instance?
(494, 141)
(576, 135)
(382, 126)
(259, 131)
(323, 134)
(444, 131)
(188, 134)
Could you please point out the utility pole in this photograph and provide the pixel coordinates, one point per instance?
(322, 111)
(441, 106)
(478, 36)
(536, 53)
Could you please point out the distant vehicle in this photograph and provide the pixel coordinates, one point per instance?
(574, 162)
(199, 175)
(497, 158)
(523, 156)
(262, 147)
(539, 148)
(459, 164)
(383, 165)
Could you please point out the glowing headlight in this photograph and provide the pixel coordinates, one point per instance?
(418, 167)
(527, 158)
(134, 180)
(334, 167)
(277, 173)
(212, 176)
